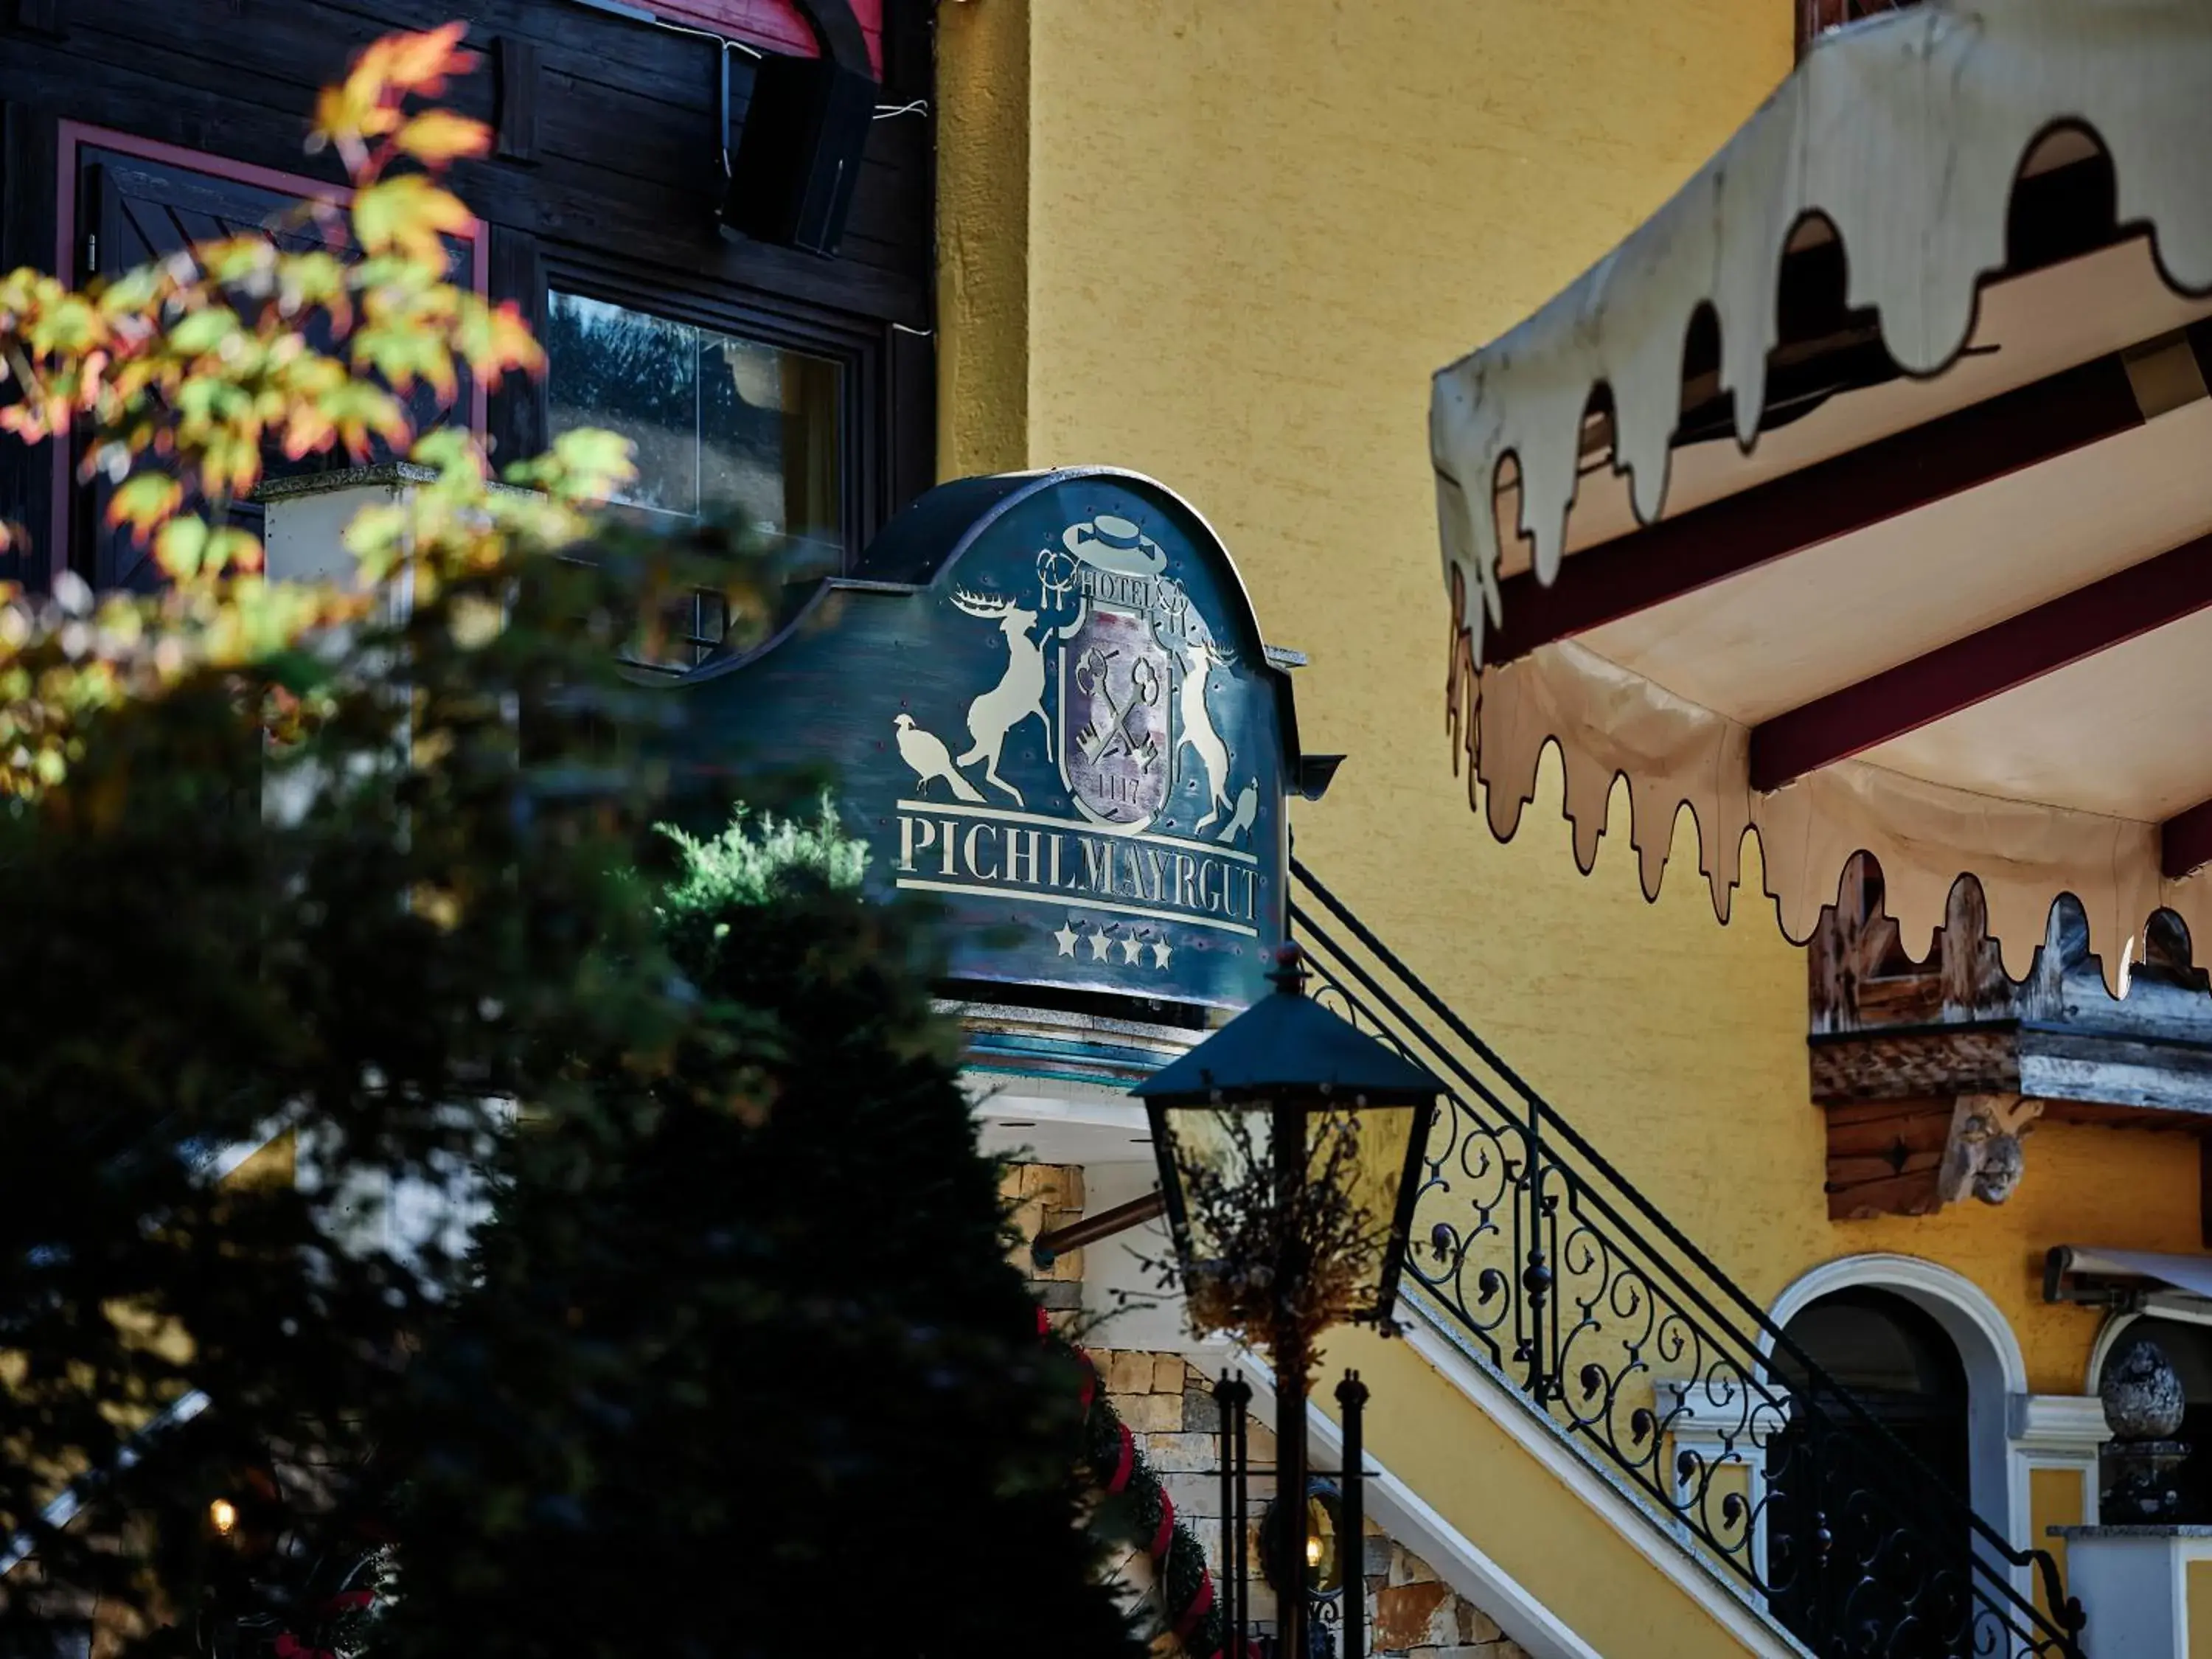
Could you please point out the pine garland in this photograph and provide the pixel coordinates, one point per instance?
(1145, 1514)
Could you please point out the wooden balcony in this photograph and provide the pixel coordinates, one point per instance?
(1931, 1069)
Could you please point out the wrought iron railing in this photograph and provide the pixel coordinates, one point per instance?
(1606, 1319)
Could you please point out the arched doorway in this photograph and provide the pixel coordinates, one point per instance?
(1838, 1487)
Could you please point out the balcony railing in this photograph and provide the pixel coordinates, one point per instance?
(1606, 1318)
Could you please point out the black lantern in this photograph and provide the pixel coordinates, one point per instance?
(1284, 1094)
(1289, 1146)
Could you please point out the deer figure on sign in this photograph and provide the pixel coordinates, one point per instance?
(1018, 694)
(1198, 661)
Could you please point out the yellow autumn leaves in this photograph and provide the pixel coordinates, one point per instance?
(312, 338)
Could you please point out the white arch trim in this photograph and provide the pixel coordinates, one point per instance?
(2119, 1323)
(1996, 1371)
(1960, 1306)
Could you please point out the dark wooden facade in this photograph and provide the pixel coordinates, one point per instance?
(1925, 1067)
(123, 125)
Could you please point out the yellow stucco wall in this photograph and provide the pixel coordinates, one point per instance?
(2056, 1498)
(1227, 243)
(2196, 1582)
(1495, 1492)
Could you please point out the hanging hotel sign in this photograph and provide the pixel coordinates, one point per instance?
(1047, 706)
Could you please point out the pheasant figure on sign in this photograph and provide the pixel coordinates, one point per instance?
(928, 754)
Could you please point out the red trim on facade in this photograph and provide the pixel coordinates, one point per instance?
(776, 24)
(1889, 477)
(1982, 666)
(73, 136)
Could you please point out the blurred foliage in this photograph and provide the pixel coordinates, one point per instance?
(374, 888)
(758, 1381)
(744, 866)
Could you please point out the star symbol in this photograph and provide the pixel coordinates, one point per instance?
(1065, 939)
(1098, 943)
(1129, 949)
(1161, 953)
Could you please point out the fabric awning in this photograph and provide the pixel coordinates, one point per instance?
(1863, 497)
(2074, 1272)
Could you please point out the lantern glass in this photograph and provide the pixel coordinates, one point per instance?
(1357, 1173)
(1324, 1557)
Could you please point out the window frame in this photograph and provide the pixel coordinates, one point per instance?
(856, 347)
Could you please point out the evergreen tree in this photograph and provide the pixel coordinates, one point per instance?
(748, 1372)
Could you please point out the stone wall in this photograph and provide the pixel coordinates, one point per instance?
(1412, 1611)
(1168, 1405)
(1041, 1197)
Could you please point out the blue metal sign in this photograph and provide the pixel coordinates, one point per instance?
(1047, 706)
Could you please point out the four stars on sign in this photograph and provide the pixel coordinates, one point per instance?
(1102, 944)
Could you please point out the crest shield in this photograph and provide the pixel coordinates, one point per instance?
(1116, 750)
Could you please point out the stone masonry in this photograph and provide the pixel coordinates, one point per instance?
(1168, 1405)
(1041, 1197)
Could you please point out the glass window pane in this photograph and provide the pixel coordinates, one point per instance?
(1376, 1140)
(637, 375)
(723, 425)
(768, 437)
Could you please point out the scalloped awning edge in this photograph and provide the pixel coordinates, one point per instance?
(1608, 723)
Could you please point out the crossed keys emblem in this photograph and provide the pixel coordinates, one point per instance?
(1093, 679)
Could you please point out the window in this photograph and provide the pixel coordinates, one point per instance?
(725, 426)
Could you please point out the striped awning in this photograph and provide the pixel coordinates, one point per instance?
(1862, 499)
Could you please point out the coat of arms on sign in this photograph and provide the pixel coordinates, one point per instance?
(1126, 660)
(1113, 731)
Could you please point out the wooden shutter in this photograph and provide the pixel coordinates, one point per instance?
(138, 211)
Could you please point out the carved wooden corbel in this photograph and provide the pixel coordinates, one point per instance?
(1984, 1156)
(1913, 1157)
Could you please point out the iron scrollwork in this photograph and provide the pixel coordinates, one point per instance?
(1604, 1317)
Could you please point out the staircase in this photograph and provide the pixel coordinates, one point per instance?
(1556, 1292)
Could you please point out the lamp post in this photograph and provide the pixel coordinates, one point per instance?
(1290, 1147)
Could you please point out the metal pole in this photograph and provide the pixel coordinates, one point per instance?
(1242, 1514)
(1290, 1563)
(1292, 1363)
(1536, 1276)
(1092, 1228)
(1352, 1516)
(1231, 1409)
(1247, 1568)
